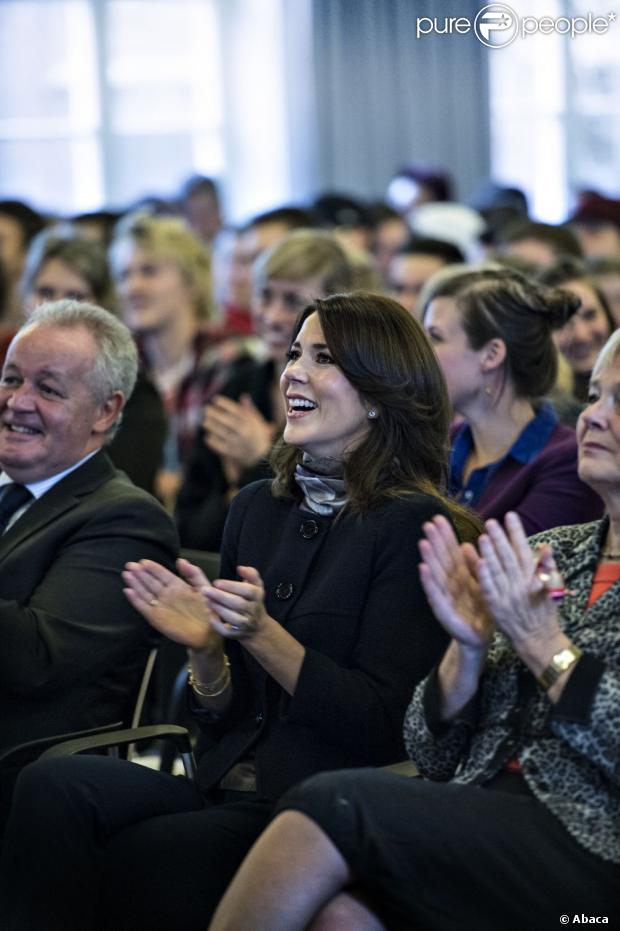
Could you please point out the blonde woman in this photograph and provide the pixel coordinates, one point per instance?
(163, 279)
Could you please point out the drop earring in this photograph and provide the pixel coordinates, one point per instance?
(372, 413)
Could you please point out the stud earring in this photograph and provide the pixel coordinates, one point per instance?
(372, 413)
(487, 391)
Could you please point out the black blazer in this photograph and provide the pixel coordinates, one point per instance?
(348, 590)
(72, 646)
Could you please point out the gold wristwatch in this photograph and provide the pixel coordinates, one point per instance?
(560, 662)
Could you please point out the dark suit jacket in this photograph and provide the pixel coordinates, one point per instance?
(349, 591)
(71, 646)
(138, 447)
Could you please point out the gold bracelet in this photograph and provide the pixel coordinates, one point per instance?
(214, 688)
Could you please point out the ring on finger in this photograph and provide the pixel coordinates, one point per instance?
(153, 602)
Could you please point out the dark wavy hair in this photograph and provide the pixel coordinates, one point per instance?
(385, 355)
(504, 303)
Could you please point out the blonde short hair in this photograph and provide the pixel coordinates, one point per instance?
(306, 254)
(171, 239)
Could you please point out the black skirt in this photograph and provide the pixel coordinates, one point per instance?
(450, 857)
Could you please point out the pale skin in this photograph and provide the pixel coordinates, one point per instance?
(236, 430)
(159, 303)
(238, 433)
(471, 595)
(201, 615)
(294, 878)
(498, 418)
(481, 394)
(598, 436)
(504, 587)
(505, 577)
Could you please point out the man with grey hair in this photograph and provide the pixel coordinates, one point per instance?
(72, 646)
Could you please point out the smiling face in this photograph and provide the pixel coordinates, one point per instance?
(461, 365)
(325, 415)
(598, 432)
(582, 338)
(153, 291)
(49, 417)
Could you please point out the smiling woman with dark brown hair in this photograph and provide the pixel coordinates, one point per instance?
(303, 654)
(242, 419)
(380, 352)
(514, 822)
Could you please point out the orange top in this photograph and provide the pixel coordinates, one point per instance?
(606, 574)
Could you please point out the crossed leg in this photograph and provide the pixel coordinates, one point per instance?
(293, 879)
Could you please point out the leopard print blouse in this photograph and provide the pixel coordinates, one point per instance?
(570, 752)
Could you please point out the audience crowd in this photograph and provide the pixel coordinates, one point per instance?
(333, 398)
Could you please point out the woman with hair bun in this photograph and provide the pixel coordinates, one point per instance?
(492, 332)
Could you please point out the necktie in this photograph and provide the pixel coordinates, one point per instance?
(13, 498)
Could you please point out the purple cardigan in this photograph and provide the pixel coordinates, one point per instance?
(546, 491)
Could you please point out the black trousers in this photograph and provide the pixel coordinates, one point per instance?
(447, 857)
(97, 843)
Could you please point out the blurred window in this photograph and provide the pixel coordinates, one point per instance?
(104, 101)
(555, 109)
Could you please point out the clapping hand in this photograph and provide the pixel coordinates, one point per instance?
(448, 573)
(513, 582)
(190, 610)
(507, 585)
(237, 431)
(238, 607)
(174, 606)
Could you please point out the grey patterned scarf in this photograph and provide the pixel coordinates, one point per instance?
(322, 482)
